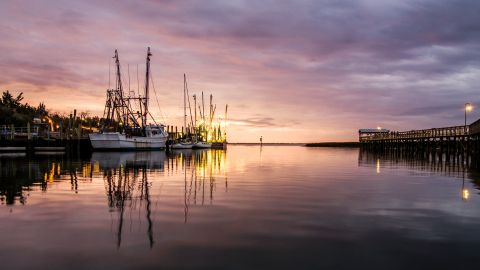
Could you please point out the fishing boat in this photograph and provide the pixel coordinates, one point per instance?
(202, 145)
(126, 126)
(182, 145)
(185, 142)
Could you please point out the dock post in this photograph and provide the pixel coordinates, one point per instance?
(70, 125)
(12, 132)
(29, 134)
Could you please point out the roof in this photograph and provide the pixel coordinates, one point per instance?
(373, 130)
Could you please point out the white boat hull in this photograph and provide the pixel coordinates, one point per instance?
(182, 146)
(117, 141)
(202, 145)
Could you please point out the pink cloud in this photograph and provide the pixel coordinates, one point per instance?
(317, 71)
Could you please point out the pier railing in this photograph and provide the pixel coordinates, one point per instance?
(475, 127)
(19, 131)
(432, 133)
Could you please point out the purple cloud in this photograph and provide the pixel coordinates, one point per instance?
(314, 70)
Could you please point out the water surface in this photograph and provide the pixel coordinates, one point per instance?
(278, 207)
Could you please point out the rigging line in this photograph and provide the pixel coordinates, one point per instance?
(109, 71)
(138, 84)
(156, 99)
(155, 122)
(128, 70)
(189, 107)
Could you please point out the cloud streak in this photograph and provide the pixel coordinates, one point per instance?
(321, 68)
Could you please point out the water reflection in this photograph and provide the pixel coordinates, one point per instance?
(127, 185)
(20, 175)
(452, 166)
(308, 208)
(125, 176)
(200, 168)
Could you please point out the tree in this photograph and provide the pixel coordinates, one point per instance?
(41, 110)
(9, 101)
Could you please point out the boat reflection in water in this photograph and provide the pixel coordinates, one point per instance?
(135, 183)
(308, 208)
(149, 159)
(126, 183)
(129, 179)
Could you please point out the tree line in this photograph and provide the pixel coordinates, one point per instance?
(13, 111)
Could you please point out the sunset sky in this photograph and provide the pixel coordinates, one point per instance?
(290, 71)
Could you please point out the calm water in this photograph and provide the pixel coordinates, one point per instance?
(279, 207)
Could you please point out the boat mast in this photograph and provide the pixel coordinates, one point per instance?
(195, 106)
(203, 109)
(147, 80)
(189, 105)
(225, 125)
(119, 89)
(211, 111)
(195, 124)
(185, 102)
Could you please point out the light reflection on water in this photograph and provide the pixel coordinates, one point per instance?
(247, 207)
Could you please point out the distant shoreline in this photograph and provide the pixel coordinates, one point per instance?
(333, 144)
(284, 144)
(321, 144)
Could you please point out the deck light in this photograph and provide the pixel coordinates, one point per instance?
(468, 108)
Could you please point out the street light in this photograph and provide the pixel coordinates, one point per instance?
(468, 108)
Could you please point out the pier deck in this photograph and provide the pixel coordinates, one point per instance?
(453, 132)
(454, 139)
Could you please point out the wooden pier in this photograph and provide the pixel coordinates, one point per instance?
(460, 140)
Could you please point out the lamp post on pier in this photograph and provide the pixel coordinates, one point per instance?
(468, 108)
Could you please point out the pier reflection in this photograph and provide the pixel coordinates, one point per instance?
(437, 163)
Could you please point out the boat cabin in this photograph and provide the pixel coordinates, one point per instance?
(155, 131)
